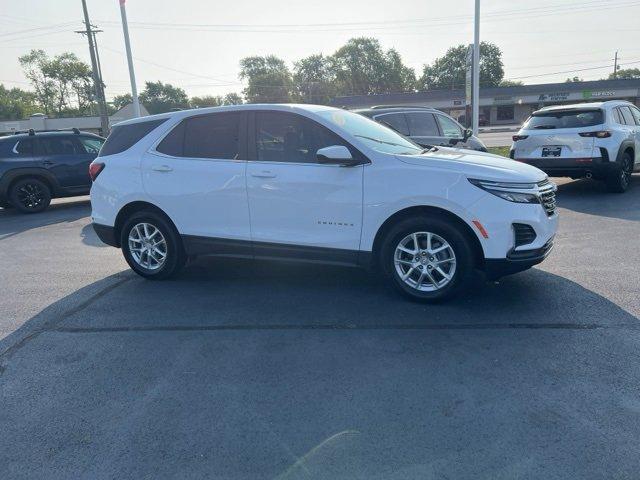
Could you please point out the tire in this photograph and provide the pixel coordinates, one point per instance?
(4, 204)
(167, 257)
(432, 269)
(30, 195)
(619, 181)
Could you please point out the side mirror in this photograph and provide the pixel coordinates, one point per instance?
(466, 134)
(336, 155)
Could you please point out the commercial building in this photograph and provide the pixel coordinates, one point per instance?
(505, 105)
(40, 121)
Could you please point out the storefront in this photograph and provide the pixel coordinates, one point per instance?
(505, 105)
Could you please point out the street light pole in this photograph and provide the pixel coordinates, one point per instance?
(475, 105)
(132, 75)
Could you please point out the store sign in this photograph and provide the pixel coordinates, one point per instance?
(598, 94)
(554, 97)
(503, 100)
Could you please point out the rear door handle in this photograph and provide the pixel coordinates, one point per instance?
(47, 162)
(263, 174)
(161, 168)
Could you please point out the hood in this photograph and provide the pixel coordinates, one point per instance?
(473, 164)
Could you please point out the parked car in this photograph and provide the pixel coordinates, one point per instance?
(38, 166)
(425, 126)
(317, 184)
(483, 121)
(599, 140)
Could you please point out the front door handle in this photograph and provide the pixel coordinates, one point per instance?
(161, 168)
(263, 174)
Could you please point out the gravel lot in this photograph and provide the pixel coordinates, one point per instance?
(246, 370)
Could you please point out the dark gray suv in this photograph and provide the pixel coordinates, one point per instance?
(425, 126)
(38, 166)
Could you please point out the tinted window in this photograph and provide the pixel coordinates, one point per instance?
(173, 143)
(626, 114)
(636, 114)
(397, 121)
(565, 119)
(212, 136)
(59, 146)
(24, 147)
(422, 125)
(91, 145)
(616, 116)
(124, 137)
(449, 127)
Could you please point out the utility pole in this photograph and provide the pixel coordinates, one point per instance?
(615, 65)
(132, 75)
(97, 78)
(475, 105)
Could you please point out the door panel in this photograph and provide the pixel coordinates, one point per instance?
(66, 159)
(200, 182)
(292, 199)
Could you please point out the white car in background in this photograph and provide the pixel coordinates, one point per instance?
(593, 140)
(320, 185)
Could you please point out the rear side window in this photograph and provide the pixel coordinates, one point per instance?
(24, 147)
(91, 145)
(212, 136)
(59, 146)
(124, 137)
(422, 125)
(636, 114)
(397, 121)
(564, 119)
(626, 114)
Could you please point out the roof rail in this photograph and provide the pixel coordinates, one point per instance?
(375, 107)
(31, 131)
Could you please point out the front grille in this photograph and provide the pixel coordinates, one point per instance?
(547, 194)
(524, 234)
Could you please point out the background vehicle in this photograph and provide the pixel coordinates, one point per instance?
(38, 166)
(287, 182)
(599, 140)
(425, 126)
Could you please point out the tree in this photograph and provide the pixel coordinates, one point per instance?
(268, 79)
(510, 83)
(362, 67)
(233, 98)
(450, 70)
(33, 64)
(627, 73)
(314, 79)
(16, 104)
(215, 100)
(160, 97)
(574, 79)
(120, 101)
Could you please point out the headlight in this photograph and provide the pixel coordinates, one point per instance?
(512, 192)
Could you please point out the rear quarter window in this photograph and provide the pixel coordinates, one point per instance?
(124, 137)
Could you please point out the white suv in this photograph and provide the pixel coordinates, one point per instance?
(599, 140)
(316, 184)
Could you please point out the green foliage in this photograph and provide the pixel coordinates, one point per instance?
(626, 73)
(16, 104)
(314, 79)
(160, 97)
(574, 79)
(268, 80)
(62, 84)
(215, 100)
(232, 98)
(510, 83)
(450, 70)
(120, 101)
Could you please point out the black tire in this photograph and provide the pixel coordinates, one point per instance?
(175, 257)
(5, 204)
(620, 179)
(445, 230)
(30, 195)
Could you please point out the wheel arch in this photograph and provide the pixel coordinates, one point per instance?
(626, 147)
(429, 211)
(133, 207)
(13, 176)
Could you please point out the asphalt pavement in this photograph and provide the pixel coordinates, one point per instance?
(250, 370)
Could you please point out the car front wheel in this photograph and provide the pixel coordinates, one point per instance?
(428, 259)
(151, 246)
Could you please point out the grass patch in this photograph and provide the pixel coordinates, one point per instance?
(504, 151)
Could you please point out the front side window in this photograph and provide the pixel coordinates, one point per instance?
(397, 121)
(24, 147)
(282, 137)
(422, 125)
(449, 127)
(91, 145)
(375, 136)
(59, 146)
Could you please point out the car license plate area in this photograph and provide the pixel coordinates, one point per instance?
(551, 151)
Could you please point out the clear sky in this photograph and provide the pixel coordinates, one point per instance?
(197, 44)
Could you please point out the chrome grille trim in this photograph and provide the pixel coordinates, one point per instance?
(547, 195)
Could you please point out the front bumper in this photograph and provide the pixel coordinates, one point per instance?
(597, 167)
(516, 261)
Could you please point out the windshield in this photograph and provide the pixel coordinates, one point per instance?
(376, 136)
(564, 119)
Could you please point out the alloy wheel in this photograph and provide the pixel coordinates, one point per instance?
(148, 246)
(30, 196)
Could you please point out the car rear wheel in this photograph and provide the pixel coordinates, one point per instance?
(619, 181)
(30, 195)
(428, 259)
(151, 246)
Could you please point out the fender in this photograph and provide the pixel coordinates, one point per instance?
(623, 146)
(14, 173)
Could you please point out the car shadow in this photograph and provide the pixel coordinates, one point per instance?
(13, 222)
(591, 197)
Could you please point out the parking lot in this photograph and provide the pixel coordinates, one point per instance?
(239, 369)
